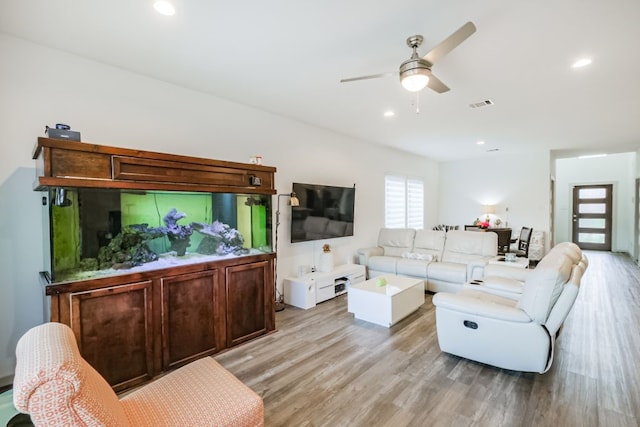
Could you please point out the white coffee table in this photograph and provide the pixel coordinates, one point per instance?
(385, 305)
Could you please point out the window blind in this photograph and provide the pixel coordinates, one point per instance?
(404, 202)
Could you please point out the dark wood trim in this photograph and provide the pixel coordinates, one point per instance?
(105, 282)
(85, 165)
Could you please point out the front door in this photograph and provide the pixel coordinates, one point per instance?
(592, 216)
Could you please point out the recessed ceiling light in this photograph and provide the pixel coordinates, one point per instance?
(583, 62)
(389, 113)
(480, 142)
(164, 8)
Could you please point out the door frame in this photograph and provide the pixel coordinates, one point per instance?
(636, 222)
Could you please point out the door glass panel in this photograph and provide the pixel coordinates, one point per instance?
(592, 193)
(591, 238)
(592, 208)
(591, 223)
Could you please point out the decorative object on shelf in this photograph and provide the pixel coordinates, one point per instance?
(381, 281)
(255, 160)
(326, 259)
(481, 224)
(498, 222)
(293, 201)
(444, 227)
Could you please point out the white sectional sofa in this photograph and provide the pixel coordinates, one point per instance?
(445, 260)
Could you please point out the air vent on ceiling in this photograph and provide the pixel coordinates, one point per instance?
(484, 103)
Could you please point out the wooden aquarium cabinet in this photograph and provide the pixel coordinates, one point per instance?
(132, 326)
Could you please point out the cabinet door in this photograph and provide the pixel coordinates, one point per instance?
(113, 327)
(250, 301)
(192, 325)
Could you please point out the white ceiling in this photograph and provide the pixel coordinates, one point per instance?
(287, 57)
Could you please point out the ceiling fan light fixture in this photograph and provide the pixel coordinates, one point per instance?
(415, 82)
(414, 74)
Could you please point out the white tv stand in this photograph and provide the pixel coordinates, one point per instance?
(313, 288)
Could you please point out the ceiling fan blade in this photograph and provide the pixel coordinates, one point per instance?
(372, 76)
(436, 84)
(450, 43)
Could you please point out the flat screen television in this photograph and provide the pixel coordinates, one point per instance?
(325, 212)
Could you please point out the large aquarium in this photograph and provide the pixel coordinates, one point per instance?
(99, 232)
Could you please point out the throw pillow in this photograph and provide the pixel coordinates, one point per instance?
(421, 257)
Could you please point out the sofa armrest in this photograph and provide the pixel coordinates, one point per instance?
(475, 268)
(515, 273)
(365, 253)
(496, 285)
(477, 305)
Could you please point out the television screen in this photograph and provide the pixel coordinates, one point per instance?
(325, 212)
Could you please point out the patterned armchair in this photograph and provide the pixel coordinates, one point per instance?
(56, 386)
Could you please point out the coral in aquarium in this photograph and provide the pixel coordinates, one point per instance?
(129, 248)
(178, 234)
(219, 239)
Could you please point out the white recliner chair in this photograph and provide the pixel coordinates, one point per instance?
(514, 328)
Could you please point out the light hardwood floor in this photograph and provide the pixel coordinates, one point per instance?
(324, 368)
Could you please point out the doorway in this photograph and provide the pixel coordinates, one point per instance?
(592, 206)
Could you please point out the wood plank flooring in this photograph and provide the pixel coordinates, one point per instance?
(324, 368)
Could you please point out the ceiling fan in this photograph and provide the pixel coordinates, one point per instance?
(415, 72)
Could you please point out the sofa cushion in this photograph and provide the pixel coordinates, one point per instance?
(447, 272)
(544, 284)
(396, 241)
(429, 242)
(383, 263)
(419, 256)
(464, 246)
(200, 392)
(412, 267)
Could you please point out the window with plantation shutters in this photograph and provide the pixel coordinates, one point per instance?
(404, 202)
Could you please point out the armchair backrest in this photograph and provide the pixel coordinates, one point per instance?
(49, 363)
(546, 282)
(565, 301)
(465, 246)
(396, 241)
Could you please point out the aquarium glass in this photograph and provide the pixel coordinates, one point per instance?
(99, 232)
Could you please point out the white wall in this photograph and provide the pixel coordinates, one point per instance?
(616, 169)
(503, 180)
(109, 106)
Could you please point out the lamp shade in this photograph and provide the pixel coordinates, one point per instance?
(488, 209)
(294, 200)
